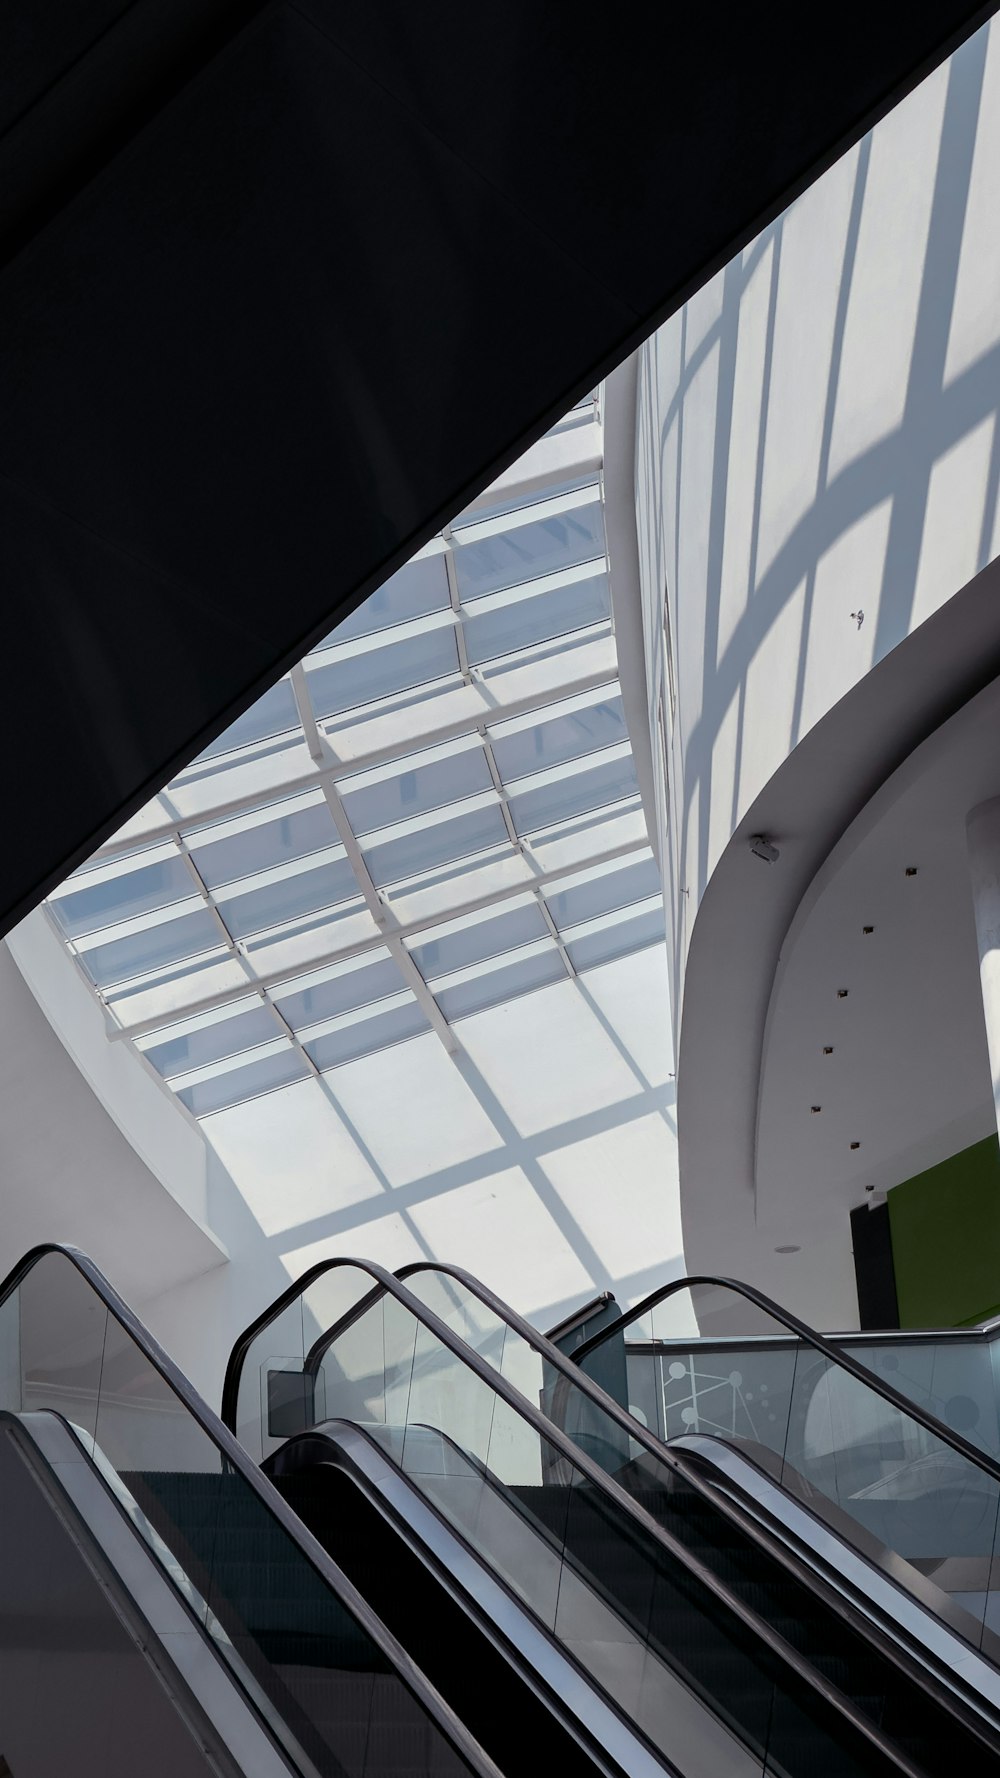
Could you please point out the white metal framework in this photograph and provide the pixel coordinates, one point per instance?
(433, 812)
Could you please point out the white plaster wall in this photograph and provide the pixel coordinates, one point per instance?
(68, 1171)
(817, 436)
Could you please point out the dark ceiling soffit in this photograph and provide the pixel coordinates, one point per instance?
(136, 534)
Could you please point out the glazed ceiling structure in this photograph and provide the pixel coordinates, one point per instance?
(435, 811)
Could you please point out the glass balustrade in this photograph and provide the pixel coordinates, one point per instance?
(303, 1654)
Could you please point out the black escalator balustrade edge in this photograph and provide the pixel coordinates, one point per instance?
(310, 1453)
(924, 1671)
(386, 1283)
(237, 1459)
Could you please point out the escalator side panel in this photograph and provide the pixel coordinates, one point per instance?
(503, 1714)
(88, 1664)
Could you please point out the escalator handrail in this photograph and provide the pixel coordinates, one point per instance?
(569, 1373)
(450, 1725)
(386, 1283)
(602, 1301)
(809, 1337)
(391, 1509)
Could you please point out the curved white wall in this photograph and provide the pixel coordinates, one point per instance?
(817, 472)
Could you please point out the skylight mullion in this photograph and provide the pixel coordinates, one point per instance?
(455, 601)
(226, 936)
(533, 508)
(600, 671)
(498, 786)
(557, 581)
(383, 915)
(356, 646)
(283, 979)
(556, 934)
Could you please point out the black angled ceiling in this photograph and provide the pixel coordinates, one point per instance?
(282, 286)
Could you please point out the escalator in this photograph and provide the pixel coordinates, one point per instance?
(163, 1609)
(723, 1646)
(853, 1428)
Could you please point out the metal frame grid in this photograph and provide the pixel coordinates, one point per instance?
(434, 812)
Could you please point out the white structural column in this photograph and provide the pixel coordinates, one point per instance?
(982, 829)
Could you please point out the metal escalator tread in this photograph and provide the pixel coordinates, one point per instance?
(499, 1708)
(890, 1699)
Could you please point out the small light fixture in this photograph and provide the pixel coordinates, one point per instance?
(858, 616)
(841, 993)
(792, 1249)
(911, 870)
(815, 1108)
(828, 1049)
(868, 930)
(855, 1145)
(762, 847)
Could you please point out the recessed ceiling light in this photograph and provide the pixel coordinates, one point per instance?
(788, 1250)
(841, 993)
(855, 1145)
(911, 870)
(815, 1108)
(867, 930)
(828, 1049)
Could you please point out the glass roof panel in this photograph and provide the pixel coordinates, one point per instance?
(335, 685)
(418, 733)
(525, 623)
(527, 550)
(154, 948)
(122, 897)
(374, 980)
(221, 1090)
(271, 715)
(291, 898)
(244, 852)
(210, 1043)
(479, 991)
(466, 942)
(574, 794)
(365, 1035)
(420, 587)
(390, 861)
(551, 740)
(415, 790)
(601, 893)
(617, 938)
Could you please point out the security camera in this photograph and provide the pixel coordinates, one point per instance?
(761, 847)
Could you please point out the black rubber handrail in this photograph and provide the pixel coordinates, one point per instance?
(570, 1376)
(568, 1322)
(319, 1438)
(385, 1283)
(809, 1337)
(440, 1713)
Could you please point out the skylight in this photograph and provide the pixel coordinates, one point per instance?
(434, 812)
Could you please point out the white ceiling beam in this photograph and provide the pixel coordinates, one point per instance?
(383, 915)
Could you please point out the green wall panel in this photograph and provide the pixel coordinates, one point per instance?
(945, 1227)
